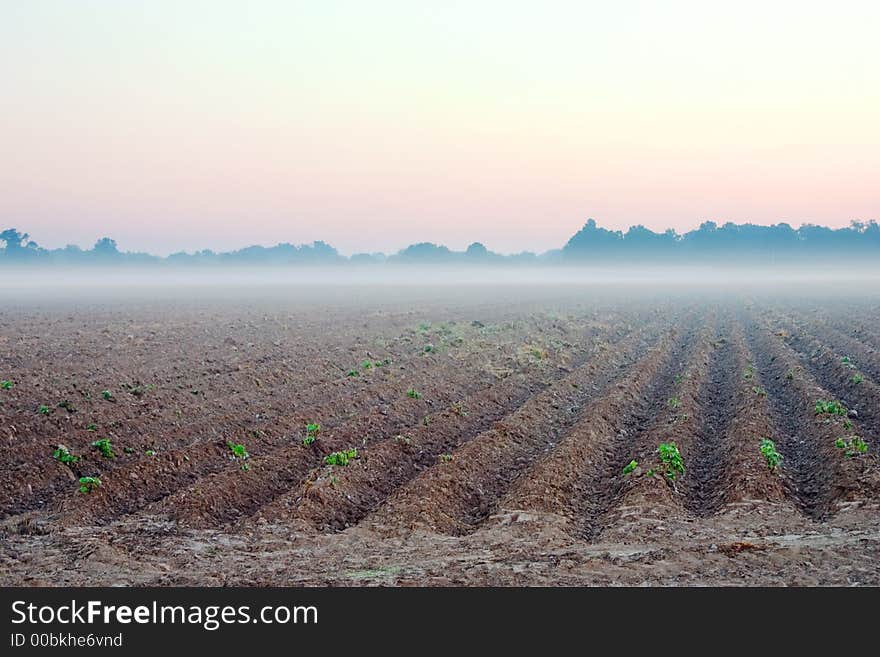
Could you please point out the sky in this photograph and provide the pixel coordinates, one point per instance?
(181, 125)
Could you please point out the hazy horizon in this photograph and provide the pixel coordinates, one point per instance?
(372, 126)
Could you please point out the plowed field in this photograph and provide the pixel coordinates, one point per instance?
(492, 432)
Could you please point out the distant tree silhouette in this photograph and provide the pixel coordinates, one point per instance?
(105, 248)
(708, 244)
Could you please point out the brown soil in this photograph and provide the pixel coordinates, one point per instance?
(507, 468)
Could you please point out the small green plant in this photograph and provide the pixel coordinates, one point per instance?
(853, 446)
(629, 467)
(366, 365)
(857, 379)
(238, 450)
(6, 384)
(104, 447)
(92, 427)
(789, 376)
(758, 390)
(106, 394)
(88, 484)
(768, 451)
(429, 348)
(44, 410)
(847, 424)
(673, 402)
(413, 394)
(847, 361)
(352, 373)
(150, 452)
(833, 407)
(312, 431)
(749, 371)
(670, 458)
(341, 458)
(445, 458)
(63, 455)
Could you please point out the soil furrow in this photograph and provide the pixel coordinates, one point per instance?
(820, 477)
(386, 465)
(582, 476)
(455, 496)
(205, 482)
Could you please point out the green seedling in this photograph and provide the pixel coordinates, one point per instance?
(413, 394)
(341, 458)
(629, 467)
(63, 455)
(104, 447)
(429, 348)
(150, 452)
(238, 450)
(847, 424)
(857, 379)
(44, 410)
(352, 373)
(106, 394)
(88, 484)
(853, 446)
(670, 457)
(92, 427)
(6, 385)
(846, 360)
(768, 451)
(312, 431)
(367, 364)
(128, 450)
(758, 390)
(789, 376)
(749, 372)
(833, 407)
(673, 402)
(445, 458)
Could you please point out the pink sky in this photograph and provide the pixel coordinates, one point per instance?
(192, 125)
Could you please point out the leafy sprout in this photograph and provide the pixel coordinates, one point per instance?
(768, 451)
(830, 408)
(629, 467)
(341, 458)
(852, 446)
(312, 431)
(88, 484)
(104, 447)
(671, 460)
(63, 455)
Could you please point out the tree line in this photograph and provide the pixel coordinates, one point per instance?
(710, 242)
